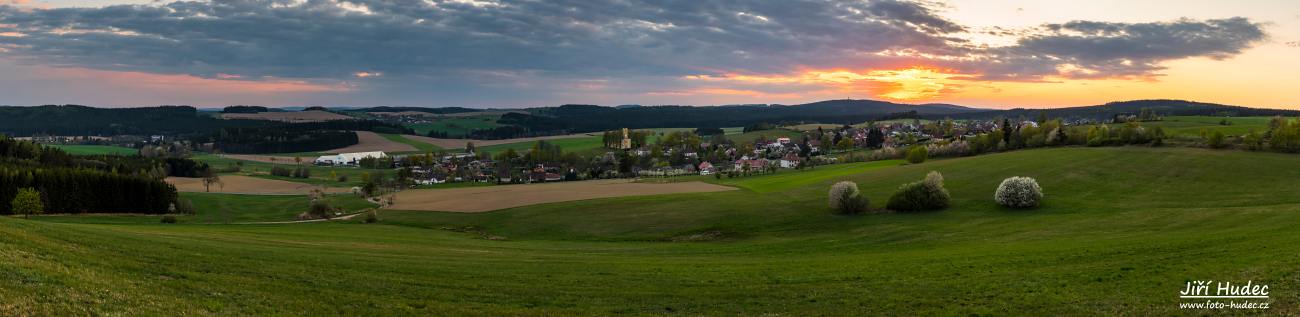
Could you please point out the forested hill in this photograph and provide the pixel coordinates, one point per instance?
(443, 110)
(1163, 107)
(74, 120)
(585, 118)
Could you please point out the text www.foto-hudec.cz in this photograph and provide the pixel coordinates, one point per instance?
(1209, 294)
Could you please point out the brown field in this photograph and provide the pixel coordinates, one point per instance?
(488, 198)
(369, 141)
(293, 116)
(460, 143)
(235, 184)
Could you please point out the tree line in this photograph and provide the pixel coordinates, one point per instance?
(294, 137)
(69, 190)
(87, 184)
(73, 120)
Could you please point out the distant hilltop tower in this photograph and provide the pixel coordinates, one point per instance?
(627, 142)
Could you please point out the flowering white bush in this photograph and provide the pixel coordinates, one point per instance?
(949, 149)
(1018, 192)
(845, 198)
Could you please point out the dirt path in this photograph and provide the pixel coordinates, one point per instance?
(488, 198)
(235, 184)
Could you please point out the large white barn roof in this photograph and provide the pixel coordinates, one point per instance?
(350, 157)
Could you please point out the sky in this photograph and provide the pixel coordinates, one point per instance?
(508, 54)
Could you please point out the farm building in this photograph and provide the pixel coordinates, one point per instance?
(348, 158)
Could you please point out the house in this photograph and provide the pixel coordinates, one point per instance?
(790, 160)
(706, 168)
(431, 180)
(348, 158)
(754, 165)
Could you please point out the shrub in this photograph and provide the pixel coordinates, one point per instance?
(343, 178)
(1215, 140)
(320, 209)
(917, 154)
(924, 195)
(372, 216)
(1018, 192)
(845, 198)
(168, 219)
(280, 171)
(184, 206)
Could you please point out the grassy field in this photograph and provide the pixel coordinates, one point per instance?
(1191, 126)
(457, 126)
(581, 145)
(320, 175)
(95, 149)
(421, 146)
(1120, 232)
(787, 179)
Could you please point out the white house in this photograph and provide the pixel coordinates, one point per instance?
(348, 158)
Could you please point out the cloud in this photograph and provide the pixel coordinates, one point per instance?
(566, 42)
(1089, 49)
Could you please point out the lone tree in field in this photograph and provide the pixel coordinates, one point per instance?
(210, 179)
(28, 202)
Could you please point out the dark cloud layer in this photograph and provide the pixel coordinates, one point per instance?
(576, 39)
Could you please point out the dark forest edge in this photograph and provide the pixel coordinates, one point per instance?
(90, 184)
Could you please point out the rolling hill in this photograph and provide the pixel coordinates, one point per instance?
(1120, 227)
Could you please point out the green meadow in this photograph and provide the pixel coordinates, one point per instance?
(95, 149)
(1191, 126)
(784, 179)
(320, 175)
(420, 147)
(1120, 232)
(456, 126)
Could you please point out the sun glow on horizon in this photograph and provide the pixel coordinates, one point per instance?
(912, 83)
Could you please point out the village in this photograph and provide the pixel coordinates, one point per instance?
(628, 154)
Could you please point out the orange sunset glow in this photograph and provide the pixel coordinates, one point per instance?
(992, 54)
(912, 83)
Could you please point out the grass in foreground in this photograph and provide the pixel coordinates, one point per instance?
(1120, 232)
